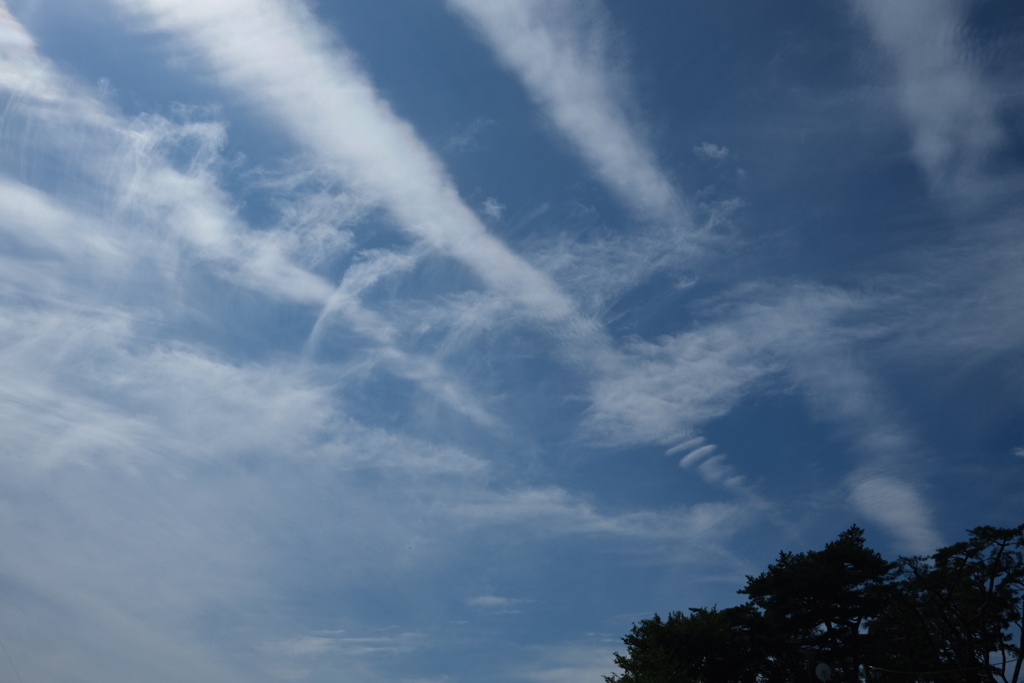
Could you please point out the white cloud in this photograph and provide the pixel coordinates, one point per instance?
(345, 305)
(1019, 451)
(715, 470)
(34, 220)
(686, 445)
(599, 267)
(307, 645)
(570, 663)
(493, 602)
(111, 382)
(696, 455)
(655, 392)
(468, 138)
(950, 112)
(710, 150)
(107, 399)
(15, 42)
(120, 179)
(107, 381)
(275, 55)
(779, 338)
(347, 646)
(148, 216)
(560, 52)
(897, 506)
(493, 209)
(961, 301)
(554, 511)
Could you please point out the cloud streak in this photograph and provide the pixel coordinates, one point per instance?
(276, 56)
(950, 112)
(560, 52)
(310, 419)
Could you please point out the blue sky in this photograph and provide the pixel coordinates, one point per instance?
(439, 341)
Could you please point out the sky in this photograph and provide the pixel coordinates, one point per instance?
(439, 341)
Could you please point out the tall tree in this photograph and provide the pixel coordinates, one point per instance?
(822, 601)
(705, 646)
(956, 616)
(958, 613)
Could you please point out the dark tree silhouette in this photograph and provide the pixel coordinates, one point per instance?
(733, 644)
(957, 614)
(822, 600)
(953, 617)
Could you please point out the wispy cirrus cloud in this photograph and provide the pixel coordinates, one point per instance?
(773, 340)
(115, 379)
(952, 115)
(564, 54)
(275, 56)
(282, 438)
(352, 646)
(658, 410)
(709, 150)
(122, 162)
(899, 507)
(958, 305)
(560, 51)
(494, 602)
(571, 662)
(556, 512)
(272, 55)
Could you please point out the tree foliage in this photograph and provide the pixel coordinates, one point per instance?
(705, 645)
(957, 614)
(953, 616)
